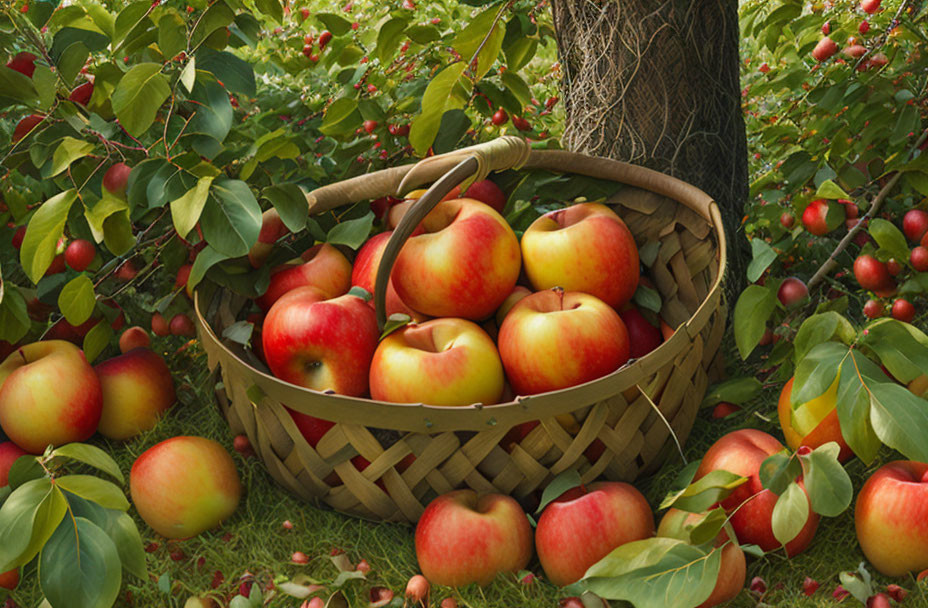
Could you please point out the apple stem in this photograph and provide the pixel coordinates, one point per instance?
(560, 294)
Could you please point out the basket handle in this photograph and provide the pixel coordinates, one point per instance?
(463, 166)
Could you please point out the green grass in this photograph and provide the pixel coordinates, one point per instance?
(254, 541)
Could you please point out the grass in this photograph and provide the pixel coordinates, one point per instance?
(254, 540)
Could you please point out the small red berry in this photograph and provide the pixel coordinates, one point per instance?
(363, 567)
(324, 39)
(873, 309)
(826, 28)
(840, 593)
(764, 68)
(758, 585)
(903, 310)
(893, 266)
(299, 557)
(809, 586)
(370, 125)
(181, 325)
(896, 592)
(371, 88)
(521, 124)
(864, 27)
(787, 219)
(178, 555)
(499, 117)
(287, 525)
(919, 258)
(723, 410)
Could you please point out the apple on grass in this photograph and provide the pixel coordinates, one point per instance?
(813, 423)
(750, 505)
(323, 267)
(463, 264)
(554, 339)
(321, 344)
(585, 524)
(49, 394)
(444, 361)
(891, 517)
(464, 538)
(137, 391)
(184, 486)
(584, 247)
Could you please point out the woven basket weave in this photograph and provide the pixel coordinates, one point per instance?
(461, 446)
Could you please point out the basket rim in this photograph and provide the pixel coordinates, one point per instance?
(424, 418)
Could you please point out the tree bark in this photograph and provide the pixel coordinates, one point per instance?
(656, 83)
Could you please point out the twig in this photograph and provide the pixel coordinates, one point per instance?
(881, 41)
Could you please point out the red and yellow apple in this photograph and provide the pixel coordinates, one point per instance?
(732, 569)
(49, 394)
(323, 267)
(518, 292)
(137, 391)
(364, 275)
(132, 338)
(814, 423)
(440, 362)
(9, 453)
(891, 517)
(585, 247)
(742, 452)
(484, 191)
(585, 524)
(552, 340)
(463, 264)
(464, 538)
(184, 486)
(319, 343)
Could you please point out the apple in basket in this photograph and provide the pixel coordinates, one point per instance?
(364, 275)
(555, 339)
(584, 247)
(319, 343)
(323, 266)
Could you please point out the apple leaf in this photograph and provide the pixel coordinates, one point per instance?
(14, 315)
(829, 189)
(858, 586)
(707, 528)
(139, 94)
(90, 455)
(821, 328)
(904, 355)
(704, 492)
(889, 238)
(853, 405)
(736, 391)
(648, 298)
(388, 38)
(484, 27)
(185, 211)
(27, 519)
(341, 118)
(762, 255)
(104, 493)
(816, 372)
(565, 481)
(351, 233)
(42, 234)
(900, 419)
(680, 483)
(750, 320)
(437, 94)
(25, 469)
(790, 514)
(231, 218)
(290, 202)
(96, 340)
(239, 332)
(80, 566)
(68, 151)
(777, 471)
(76, 300)
(828, 484)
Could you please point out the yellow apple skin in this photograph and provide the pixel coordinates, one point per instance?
(585, 247)
(511, 300)
(552, 340)
(184, 486)
(440, 362)
(137, 391)
(49, 394)
(817, 426)
(464, 263)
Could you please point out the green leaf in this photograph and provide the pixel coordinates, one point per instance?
(231, 219)
(907, 122)
(117, 233)
(484, 26)
(72, 60)
(777, 471)
(96, 340)
(790, 514)
(351, 233)
(424, 127)
(905, 356)
(290, 203)
(138, 96)
(104, 493)
(735, 390)
(104, 208)
(46, 83)
(853, 405)
(128, 19)
(43, 232)
(830, 190)
(90, 455)
(454, 126)
(27, 519)
(648, 298)
(517, 87)
(188, 76)
(680, 483)
(900, 419)
(17, 86)
(79, 567)
(205, 260)
(563, 482)
(214, 110)
(239, 332)
(68, 151)
(218, 15)
(520, 52)
(185, 211)
(918, 181)
(76, 300)
(750, 319)
(172, 35)
(890, 238)
(24, 469)
(423, 34)
(821, 328)
(394, 322)
(388, 38)
(828, 484)
(128, 541)
(858, 587)
(816, 372)
(339, 26)
(762, 255)
(704, 492)
(14, 315)
(236, 75)
(341, 118)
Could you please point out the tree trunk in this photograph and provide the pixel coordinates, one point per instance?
(656, 83)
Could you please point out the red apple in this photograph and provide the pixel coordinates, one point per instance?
(9, 453)
(137, 390)
(159, 325)
(891, 517)
(182, 325)
(184, 486)
(484, 191)
(787, 219)
(323, 267)
(82, 93)
(24, 63)
(464, 263)
(552, 340)
(855, 51)
(26, 125)
(915, 224)
(585, 524)
(642, 336)
(321, 344)
(464, 538)
(364, 275)
(116, 178)
(732, 569)
(873, 309)
(440, 362)
(49, 395)
(870, 6)
(919, 258)
(742, 452)
(132, 338)
(821, 216)
(272, 229)
(903, 310)
(792, 291)
(585, 247)
(9, 580)
(79, 254)
(825, 48)
(872, 274)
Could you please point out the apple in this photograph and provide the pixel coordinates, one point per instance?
(26, 125)
(116, 179)
(821, 216)
(79, 254)
(49, 395)
(444, 361)
(642, 336)
(484, 191)
(825, 48)
(891, 517)
(903, 310)
(870, 6)
(872, 274)
(787, 220)
(464, 538)
(584, 247)
(919, 258)
(9, 580)
(585, 524)
(518, 293)
(184, 485)
(732, 569)
(182, 325)
(159, 325)
(137, 390)
(873, 309)
(915, 224)
(813, 424)
(742, 452)
(321, 344)
(893, 267)
(364, 275)
(554, 339)
(9, 453)
(132, 338)
(855, 51)
(82, 93)
(792, 291)
(272, 229)
(463, 264)
(323, 267)
(24, 63)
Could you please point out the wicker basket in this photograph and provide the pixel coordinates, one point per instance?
(629, 410)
